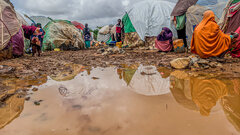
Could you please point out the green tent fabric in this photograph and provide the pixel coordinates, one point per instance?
(128, 75)
(235, 1)
(128, 26)
(110, 40)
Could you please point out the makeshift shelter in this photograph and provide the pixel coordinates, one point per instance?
(78, 25)
(230, 20)
(146, 19)
(11, 41)
(62, 34)
(105, 33)
(41, 19)
(148, 81)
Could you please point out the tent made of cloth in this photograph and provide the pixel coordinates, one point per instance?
(62, 33)
(21, 19)
(147, 18)
(78, 25)
(149, 82)
(9, 24)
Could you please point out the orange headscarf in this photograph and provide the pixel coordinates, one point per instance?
(208, 40)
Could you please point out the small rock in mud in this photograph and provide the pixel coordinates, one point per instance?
(180, 63)
(37, 103)
(95, 78)
(35, 89)
(27, 98)
(77, 106)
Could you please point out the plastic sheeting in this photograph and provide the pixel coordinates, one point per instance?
(103, 38)
(61, 32)
(40, 19)
(194, 17)
(149, 17)
(148, 81)
(9, 24)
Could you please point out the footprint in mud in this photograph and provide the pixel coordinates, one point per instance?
(63, 91)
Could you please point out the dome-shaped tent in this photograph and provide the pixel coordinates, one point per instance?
(11, 41)
(147, 18)
(62, 33)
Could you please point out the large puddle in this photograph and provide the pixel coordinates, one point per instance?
(133, 100)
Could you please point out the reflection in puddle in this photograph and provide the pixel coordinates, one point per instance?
(132, 100)
(203, 94)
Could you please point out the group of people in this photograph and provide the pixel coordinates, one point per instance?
(208, 40)
(35, 34)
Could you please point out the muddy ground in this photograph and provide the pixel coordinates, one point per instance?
(22, 73)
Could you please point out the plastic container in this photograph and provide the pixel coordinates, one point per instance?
(119, 44)
(178, 46)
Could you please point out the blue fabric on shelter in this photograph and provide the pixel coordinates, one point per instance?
(207, 2)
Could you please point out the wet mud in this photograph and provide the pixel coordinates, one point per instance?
(130, 100)
(135, 93)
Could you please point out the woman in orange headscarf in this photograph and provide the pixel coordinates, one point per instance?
(208, 40)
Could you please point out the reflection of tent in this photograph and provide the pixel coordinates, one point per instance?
(148, 81)
(40, 19)
(147, 18)
(11, 41)
(128, 75)
(13, 108)
(62, 34)
(78, 25)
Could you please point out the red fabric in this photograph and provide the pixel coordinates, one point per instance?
(118, 30)
(236, 51)
(78, 25)
(164, 46)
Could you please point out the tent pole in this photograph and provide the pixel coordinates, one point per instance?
(1, 27)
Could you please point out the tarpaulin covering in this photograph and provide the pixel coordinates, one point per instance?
(149, 17)
(102, 37)
(9, 24)
(128, 26)
(21, 19)
(40, 19)
(61, 33)
(182, 7)
(194, 17)
(78, 25)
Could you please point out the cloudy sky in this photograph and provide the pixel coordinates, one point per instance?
(94, 12)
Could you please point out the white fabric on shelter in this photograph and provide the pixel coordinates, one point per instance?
(149, 17)
(148, 81)
(40, 19)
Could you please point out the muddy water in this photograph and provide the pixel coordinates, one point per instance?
(128, 101)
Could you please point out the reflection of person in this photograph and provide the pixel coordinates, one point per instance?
(164, 40)
(87, 36)
(208, 40)
(119, 30)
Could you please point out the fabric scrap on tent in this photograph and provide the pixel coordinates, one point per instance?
(17, 42)
(234, 21)
(128, 26)
(236, 51)
(133, 40)
(182, 7)
(208, 40)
